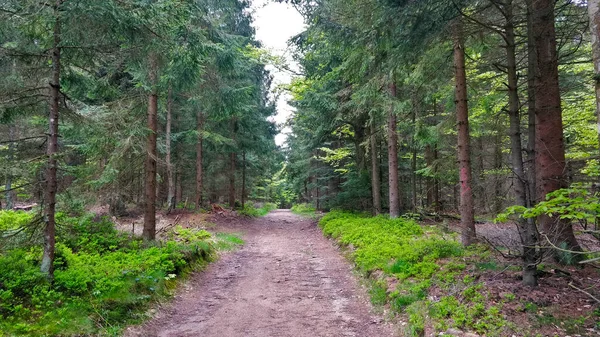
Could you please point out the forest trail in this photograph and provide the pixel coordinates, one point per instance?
(287, 280)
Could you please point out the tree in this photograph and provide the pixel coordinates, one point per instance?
(594, 15)
(149, 232)
(550, 149)
(467, 215)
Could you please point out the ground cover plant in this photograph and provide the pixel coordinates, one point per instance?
(423, 275)
(252, 211)
(303, 209)
(103, 278)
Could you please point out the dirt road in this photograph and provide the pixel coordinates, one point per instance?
(286, 281)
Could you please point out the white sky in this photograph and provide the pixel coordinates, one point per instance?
(275, 24)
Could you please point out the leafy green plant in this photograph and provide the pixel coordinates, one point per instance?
(303, 209)
(103, 278)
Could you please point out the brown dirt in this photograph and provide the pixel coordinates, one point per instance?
(287, 280)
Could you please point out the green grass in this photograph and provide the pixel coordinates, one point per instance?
(104, 279)
(227, 241)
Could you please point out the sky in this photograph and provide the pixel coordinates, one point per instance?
(275, 24)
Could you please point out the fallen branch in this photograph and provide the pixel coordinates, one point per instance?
(583, 291)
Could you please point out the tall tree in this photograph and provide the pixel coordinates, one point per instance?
(594, 15)
(394, 197)
(51, 187)
(149, 232)
(549, 142)
(375, 178)
(467, 214)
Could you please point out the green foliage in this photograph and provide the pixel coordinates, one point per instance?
(103, 278)
(574, 204)
(403, 250)
(14, 219)
(251, 211)
(397, 246)
(303, 209)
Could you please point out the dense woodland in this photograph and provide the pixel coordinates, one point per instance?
(437, 107)
(135, 105)
(461, 111)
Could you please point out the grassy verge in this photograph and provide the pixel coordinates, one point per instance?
(418, 273)
(306, 210)
(251, 211)
(104, 279)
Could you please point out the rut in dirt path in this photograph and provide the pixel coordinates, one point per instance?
(287, 280)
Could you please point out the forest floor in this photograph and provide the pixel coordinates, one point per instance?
(287, 280)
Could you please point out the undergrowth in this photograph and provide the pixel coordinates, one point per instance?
(251, 211)
(303, 209)
(406, 262)
(103, 279)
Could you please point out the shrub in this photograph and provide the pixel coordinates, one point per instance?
(251, 211)
(303, 209)
(102, 278)
(14, 219)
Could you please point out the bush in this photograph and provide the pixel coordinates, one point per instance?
(102, 278)
(303, 209)
(251, 211)
(14, 219)
(397, 246)
(400, 248)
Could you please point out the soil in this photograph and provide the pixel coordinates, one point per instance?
(287, 280)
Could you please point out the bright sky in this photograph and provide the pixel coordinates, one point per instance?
(275, 24)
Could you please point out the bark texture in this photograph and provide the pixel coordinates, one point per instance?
(375, 180)
(531, 65)
(393, 158)
(199, 158)
(171, 182)
(527, 229)
(594, 14)
(149, 232)
(467, 215)
(550, 149)
(51, 188)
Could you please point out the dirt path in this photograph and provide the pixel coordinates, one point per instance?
(286, 281)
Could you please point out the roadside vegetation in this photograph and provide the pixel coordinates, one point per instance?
(425, 277)
(103, 279)
(251, 211)
(304, 209)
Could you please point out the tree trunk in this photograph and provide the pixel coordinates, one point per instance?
(531, 64)
(393, 157)
(243, 179)
(413, 162)
(594, 14)
(467, 215)
(199, 158)
(10, 194)
(480, 188)
(47, 266)
(498, 178)
(232, 180)
(527, 230)
(550, 149)
(375, 181)
(429, 185)
(171, 183)
(149, 232)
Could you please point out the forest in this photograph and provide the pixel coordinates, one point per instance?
(450, 149)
